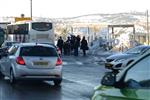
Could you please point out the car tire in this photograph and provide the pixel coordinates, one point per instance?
(12, 78)
(57, 82)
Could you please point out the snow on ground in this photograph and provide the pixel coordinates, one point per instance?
(98, 53)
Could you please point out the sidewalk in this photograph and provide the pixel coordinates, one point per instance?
(96, 56)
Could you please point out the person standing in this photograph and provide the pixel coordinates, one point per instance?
(68, 48)
(84, 45)
(72, 42)
(76, 45)
(60, 43)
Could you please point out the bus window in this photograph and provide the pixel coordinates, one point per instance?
(41, 26)
(23, 29)
(9, 29)
(18, 29)
(1, 36)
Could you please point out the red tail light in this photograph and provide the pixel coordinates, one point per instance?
(20, 61)
(58, 62)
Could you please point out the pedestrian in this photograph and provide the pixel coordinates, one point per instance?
(65, 48)
(68, 46)
(76, 45)
(60, 44)
(72, 42)
(84, 45)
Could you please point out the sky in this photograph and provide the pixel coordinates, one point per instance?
(69, 8)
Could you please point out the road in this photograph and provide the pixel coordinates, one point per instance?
(80, 76)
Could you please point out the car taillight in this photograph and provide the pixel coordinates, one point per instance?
(58, 62)
(20, 61)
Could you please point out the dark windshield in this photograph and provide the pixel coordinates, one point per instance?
(38, 51)
(41, 26)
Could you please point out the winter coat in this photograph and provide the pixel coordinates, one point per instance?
(84, 45)
(60, 43)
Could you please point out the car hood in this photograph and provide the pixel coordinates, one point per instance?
(122, 56)
(111, 93)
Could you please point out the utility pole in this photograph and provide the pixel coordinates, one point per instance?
(31, 8)
(147, 16)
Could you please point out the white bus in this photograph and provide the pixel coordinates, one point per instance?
(30, 31)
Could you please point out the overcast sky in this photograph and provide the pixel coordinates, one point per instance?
(70, 8)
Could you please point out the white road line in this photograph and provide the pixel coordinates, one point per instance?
(69, 63)
(65, 63)
(80, 82)
(79, 63)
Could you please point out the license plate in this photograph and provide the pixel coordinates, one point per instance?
(40, 63)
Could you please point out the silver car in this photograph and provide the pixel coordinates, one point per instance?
(121, 60)
(32, 61)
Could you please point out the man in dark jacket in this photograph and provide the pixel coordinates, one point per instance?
(76, 45)
(84, 45)
(60, 43)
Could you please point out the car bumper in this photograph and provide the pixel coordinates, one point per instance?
(22, 72)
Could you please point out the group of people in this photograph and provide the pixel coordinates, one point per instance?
(72, 44)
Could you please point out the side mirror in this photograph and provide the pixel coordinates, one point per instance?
(133, 84)
(109, 79)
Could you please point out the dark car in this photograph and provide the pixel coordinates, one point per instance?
(120, 60)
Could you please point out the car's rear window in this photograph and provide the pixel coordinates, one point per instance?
(38, 51)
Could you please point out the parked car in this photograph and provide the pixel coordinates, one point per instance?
(32, 61)
(120, 60)
(132, 83)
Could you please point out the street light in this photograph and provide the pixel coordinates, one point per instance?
(31, 8)
(147, 27)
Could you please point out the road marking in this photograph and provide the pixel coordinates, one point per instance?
(65, 63)
(80, 82)
(79, 63)
(70, 63)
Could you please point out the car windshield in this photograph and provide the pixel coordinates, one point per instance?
(38, 51)
(136, 50)
(41, 26)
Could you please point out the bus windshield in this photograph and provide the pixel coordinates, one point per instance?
(41, 26)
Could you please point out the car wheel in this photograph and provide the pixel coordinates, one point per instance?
(57, 82)
(12, 78)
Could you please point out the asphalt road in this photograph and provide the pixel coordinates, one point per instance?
(80, 76)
